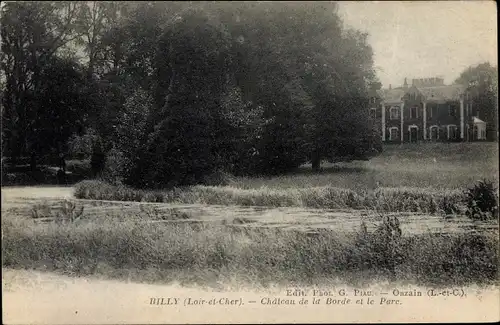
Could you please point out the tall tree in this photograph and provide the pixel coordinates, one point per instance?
(482, 83)
(32, 34)
(95, 20)
(59, 105)
(310, 75)
(185, 143)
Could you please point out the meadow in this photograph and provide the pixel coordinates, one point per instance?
(432, 165)
(162, 239)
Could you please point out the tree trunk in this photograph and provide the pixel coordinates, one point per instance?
(316, 161)
(33, 161)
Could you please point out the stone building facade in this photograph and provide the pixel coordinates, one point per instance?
(427, 110)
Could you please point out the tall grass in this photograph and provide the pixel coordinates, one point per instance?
(201, 253)
(381, 199)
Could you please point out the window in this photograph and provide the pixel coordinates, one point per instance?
(373, 112)
(393, 133)
(413, 133)
(452, 132)
(394, 113)
(414, 112)
(434, 132)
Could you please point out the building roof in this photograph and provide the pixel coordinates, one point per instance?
(392, 96)
(442, 93)
(438, 93)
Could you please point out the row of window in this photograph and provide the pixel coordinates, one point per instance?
(432, 111)
(451, 132)
(395, 112)
(479, 132)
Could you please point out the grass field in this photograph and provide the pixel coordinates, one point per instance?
(433, 165)
(159, 243)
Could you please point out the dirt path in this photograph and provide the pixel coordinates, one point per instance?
(33, 297)
(12, 194)
(37, 191)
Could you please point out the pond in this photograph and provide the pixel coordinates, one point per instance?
(286, 218)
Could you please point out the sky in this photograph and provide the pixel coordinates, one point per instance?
(425, 38)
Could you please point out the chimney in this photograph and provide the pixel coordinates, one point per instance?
(390, 87)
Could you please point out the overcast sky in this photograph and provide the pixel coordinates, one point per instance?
(425, 39)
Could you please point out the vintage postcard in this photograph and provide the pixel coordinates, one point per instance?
(249, 162)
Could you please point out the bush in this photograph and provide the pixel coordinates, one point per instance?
(482, 201)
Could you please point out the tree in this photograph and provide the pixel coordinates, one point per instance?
(482, 85)
(32, 34)
(310, 75)
(95, 21)
(184, 145)
(62, 105)
(165, 83)
(131, 132)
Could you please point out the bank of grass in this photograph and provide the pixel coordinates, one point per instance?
(426, 200)
(208, 253)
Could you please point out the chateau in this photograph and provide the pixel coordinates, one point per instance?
(427, 110)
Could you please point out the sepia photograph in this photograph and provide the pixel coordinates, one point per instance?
(226, 162)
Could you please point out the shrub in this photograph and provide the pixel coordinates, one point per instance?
(482, 200)
(383, 246)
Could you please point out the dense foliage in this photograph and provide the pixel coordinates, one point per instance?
(160, 94)
(482, 83)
